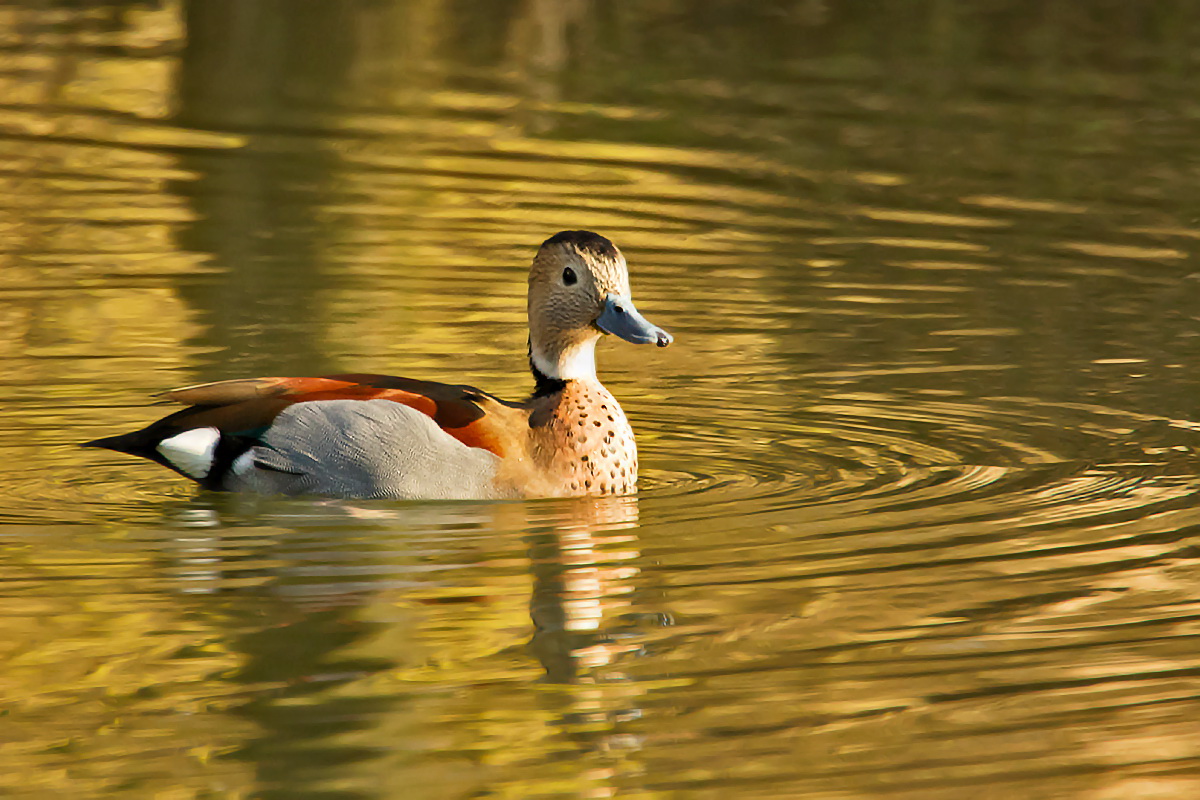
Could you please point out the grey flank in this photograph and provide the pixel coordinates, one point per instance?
(365, 449)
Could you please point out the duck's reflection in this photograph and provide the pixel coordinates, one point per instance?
(583, 570)
(406, 618)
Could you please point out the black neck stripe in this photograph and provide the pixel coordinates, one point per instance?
(543, 384)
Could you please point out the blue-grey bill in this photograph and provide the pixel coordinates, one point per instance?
(621, 318)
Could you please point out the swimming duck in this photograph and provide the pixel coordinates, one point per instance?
(368, 436)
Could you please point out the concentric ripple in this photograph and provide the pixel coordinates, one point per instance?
(875, 462)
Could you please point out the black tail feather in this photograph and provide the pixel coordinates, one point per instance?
(135, 444)
(144, 444)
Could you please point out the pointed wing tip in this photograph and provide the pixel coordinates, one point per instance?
(220, 393)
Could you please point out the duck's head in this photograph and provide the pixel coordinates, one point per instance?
(578, 290)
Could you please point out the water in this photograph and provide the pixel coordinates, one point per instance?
(919, 511)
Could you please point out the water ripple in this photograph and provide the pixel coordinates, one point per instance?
(856, 465)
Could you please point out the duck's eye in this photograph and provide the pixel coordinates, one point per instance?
(569, 277)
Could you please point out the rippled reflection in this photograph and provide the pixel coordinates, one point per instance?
(920, 473)
(362, 602)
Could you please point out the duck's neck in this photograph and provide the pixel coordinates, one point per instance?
(553, 367)
(543, 384)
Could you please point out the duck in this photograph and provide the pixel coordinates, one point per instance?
(379, 436)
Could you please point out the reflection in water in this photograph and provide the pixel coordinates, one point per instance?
(583, 575)
(575, 593)
(348, 626)
(921, 470)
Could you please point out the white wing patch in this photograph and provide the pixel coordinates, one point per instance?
(191, 452)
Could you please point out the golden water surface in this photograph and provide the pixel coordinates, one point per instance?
(919, 509)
